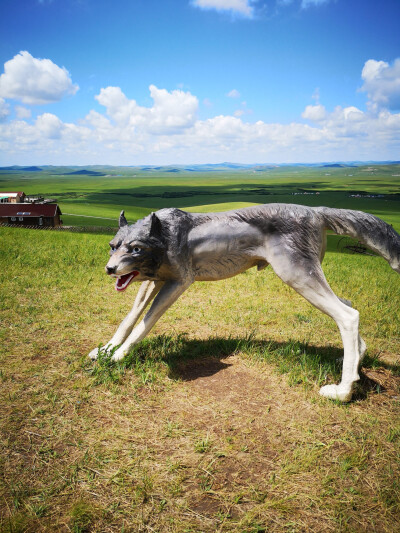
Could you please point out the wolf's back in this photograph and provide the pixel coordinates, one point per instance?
(369, 229)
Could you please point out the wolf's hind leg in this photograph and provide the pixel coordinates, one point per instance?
(307, 278)
(146, 292)
(361, 343)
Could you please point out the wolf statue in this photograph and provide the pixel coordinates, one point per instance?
(170, 249)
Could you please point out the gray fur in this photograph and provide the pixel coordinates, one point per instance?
(171, 249)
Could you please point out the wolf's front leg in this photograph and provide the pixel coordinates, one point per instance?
(168, 294)
(146, 293)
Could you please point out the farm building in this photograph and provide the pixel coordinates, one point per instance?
(12, 197)
(42, 215)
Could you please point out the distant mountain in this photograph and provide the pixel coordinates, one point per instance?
(337, 165)
(84, 173)
(104, 170)
(31, 169)
(22, 169)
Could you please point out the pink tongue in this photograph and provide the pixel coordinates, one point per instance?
(123, 281)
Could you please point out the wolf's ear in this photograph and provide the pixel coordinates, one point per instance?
(155, 226)
(122, 220)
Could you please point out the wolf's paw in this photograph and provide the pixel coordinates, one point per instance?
(337, 392)
(94, 354)
(101, 350)
(119, 354)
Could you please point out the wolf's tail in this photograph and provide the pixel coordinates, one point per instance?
(369, 229)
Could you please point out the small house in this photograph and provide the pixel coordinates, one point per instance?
(41, 215)
(12, 197)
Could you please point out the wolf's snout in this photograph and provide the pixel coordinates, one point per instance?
(110, 270)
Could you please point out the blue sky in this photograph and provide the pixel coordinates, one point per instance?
(192, 81)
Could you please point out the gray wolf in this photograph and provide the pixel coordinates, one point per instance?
(169, 250)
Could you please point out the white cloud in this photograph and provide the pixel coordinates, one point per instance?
(171, 112)
(119, 108)
(341, 117)
(35, 81)
(343, 133)
(240, 7)
(382, 83)
(4, 110)
(169, 131)
(315, 113)
(354, 131)
(49, 126)
(97, 121)
(234, 93)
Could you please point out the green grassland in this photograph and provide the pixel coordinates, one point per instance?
(214, 422)
(139, 191)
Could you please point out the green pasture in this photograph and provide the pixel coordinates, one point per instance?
(213, 423)
(83, 197)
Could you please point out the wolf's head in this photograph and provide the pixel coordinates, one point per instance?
(137, 251)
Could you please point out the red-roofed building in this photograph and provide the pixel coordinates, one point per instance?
(12, 197)
(30, 214)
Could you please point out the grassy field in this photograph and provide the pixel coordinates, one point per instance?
(212, 424)
(137, 191)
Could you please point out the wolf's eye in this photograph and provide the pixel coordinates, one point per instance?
(136, 249)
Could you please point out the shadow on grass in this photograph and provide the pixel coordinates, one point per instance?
(183, 359)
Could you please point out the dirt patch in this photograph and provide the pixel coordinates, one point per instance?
(229, 382)
(245, 420)
(381, 380)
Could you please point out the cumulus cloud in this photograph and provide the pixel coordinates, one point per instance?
(171, 112)
(315, 113)
(169, 130)
(340, 115)
(343, 133)
(239, 7)
(352, 129)
(49, 126)
(382, 83)
(35, 81)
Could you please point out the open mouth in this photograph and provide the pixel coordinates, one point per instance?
(123, 281)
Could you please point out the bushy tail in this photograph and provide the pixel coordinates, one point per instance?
(369, 229)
